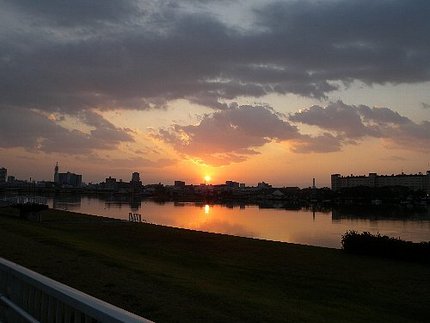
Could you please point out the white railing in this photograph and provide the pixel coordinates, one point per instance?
(26, 296)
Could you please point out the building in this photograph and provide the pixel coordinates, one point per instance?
(263, 185)
(135, 183)
(111, 183)
(179, 184)
(414, 182)
(56, 173)
(3, 175)
(232, 184)
(67, 179)
(135, 178)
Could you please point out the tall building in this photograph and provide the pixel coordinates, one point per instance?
(232, 184)
(135, 183)
(179, 184)
(56, 173)
(135, 177)
(413, 181)
(3, 175)
(67, 179)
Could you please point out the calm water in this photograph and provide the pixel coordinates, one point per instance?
(297, 226)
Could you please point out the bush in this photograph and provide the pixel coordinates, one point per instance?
(383, 246)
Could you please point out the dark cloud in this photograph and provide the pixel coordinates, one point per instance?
(72, 55)
(35, 131)
(337, 116)
(381, 115)
(425, 105)
(349, 123)
(77, 12)
(374, 41)
(325, 143)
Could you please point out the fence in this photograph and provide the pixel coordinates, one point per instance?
(26, 296)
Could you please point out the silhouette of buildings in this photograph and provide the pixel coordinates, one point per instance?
(412, 181)
(3, 175)
(66, 179)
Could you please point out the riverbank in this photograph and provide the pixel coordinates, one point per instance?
(168, 274)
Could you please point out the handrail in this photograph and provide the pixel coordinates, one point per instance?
(48, 300)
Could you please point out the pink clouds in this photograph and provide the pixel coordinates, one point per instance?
(230, 135)
(235, 134)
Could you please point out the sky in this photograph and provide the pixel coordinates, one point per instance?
(250, 91)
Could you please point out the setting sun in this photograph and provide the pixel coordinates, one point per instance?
(207, 178)
(207, 209)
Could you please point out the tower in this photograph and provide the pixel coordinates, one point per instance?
(56, 177)
(3, 175)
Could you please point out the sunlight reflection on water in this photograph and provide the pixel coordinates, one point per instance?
(302, 226)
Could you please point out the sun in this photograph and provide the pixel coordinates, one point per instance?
(207, 178)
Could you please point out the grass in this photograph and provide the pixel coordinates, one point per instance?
(167, 274)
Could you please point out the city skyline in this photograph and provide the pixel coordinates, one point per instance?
(415, 181)
(275, 91)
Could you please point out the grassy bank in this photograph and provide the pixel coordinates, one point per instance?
(168, 274)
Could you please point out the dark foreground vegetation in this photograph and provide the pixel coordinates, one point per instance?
(383, 246)
(167, 274)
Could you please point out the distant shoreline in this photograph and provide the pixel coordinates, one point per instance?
(350, 200)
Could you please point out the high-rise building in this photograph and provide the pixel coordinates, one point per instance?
(135, 177)
(232, 184)
(111, 183)
(3, 175)
(67, 179)
(413, 181)
(56, 173)
(179, 184)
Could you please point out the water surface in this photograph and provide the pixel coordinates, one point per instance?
(303, 226)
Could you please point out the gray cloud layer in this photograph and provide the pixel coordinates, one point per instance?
(73, 55)
(34, 131)
(349, 123)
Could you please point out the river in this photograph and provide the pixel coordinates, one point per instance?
(303, 226)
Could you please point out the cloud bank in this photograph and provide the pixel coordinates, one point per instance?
(235, 134)
(229, 135)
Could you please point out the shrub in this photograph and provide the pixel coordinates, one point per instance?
(383, 246)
